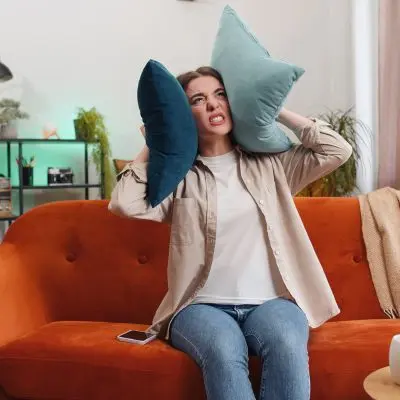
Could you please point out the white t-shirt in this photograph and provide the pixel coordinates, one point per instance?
(243, 270)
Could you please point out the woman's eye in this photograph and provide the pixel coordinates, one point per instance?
(221, 94)
(198, 100)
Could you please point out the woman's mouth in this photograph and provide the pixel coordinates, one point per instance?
(216, 120)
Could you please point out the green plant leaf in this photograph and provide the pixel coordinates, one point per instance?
(343, 181)
(10, 111)
(90, 127)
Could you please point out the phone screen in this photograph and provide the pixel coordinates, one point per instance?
(136, 335)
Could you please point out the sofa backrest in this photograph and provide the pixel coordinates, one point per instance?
(92, 265)
(334, 227)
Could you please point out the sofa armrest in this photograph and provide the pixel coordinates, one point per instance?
(22, 307)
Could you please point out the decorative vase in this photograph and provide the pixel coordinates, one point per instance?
(8, 131)
(27, 176)
(394, 359)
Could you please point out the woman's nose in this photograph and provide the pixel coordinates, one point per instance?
(212, 103)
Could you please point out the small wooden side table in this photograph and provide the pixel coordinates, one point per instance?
(380, 386)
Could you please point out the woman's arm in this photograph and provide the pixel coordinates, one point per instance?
(321, 151)
(143, 156)
(292, 120)
(129, 197)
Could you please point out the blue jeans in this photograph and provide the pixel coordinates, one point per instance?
(219, 338)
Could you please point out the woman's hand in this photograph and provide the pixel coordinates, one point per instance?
(282, 113)
(292, 120)
(143, 156)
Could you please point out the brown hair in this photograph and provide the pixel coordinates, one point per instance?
(187, 77)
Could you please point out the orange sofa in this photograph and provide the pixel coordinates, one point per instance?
(73, 276)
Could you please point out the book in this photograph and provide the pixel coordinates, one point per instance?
(5, 197)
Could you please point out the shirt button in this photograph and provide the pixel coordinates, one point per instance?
(261, 202)
(276, 252)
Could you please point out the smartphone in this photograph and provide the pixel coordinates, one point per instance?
(138, 337)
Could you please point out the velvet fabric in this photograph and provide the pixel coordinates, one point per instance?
(171, 132)
(256, 83)
(73, 276)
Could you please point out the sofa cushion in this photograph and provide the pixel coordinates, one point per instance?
(343, 354)
(83, 360)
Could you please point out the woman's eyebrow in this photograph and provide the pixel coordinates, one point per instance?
(202, 94)
(195, 95)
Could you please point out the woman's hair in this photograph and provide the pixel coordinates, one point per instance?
(187, 77)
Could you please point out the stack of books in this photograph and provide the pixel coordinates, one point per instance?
(5, 197)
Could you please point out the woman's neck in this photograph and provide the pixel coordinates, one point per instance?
(213, 148)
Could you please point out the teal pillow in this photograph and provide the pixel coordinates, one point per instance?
(171, 132)
(257, 85)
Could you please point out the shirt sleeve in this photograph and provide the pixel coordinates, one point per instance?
(320, 152)
(129, 196)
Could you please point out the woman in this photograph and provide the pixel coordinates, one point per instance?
(242, 277)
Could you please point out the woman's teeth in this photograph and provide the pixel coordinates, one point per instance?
(217, 119)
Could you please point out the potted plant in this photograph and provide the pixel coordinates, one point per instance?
(90, 127)
(9, 112)
(343, 181)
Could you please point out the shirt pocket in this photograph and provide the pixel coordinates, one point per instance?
(183, 221)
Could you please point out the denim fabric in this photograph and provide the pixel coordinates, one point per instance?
(220, 338)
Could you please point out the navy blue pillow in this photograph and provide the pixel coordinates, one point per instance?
(171, 132)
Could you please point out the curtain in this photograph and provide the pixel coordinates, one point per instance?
(389, 94)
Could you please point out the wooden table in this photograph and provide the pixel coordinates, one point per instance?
(379, 385)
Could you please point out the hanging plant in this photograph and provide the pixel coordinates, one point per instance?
(90, 127)
(342, 181)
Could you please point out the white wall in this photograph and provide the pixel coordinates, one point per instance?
(74, 53)
(66, 54)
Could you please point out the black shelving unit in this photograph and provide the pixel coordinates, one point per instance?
(21, 188)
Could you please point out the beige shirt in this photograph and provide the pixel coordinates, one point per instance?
(271, 180)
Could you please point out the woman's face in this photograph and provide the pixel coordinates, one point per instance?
(210, 107)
